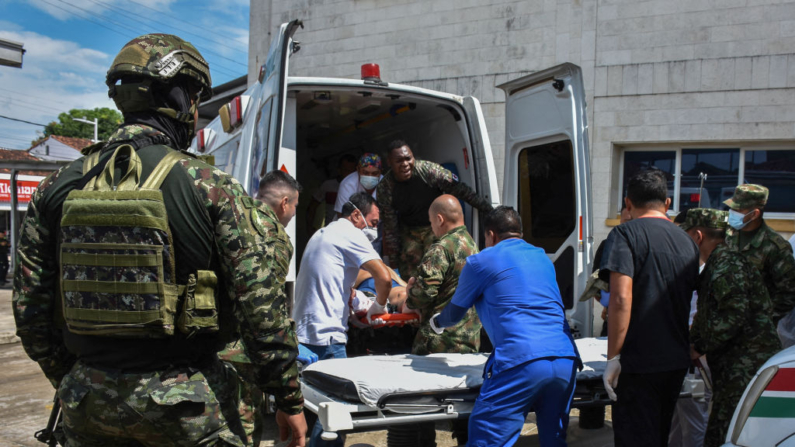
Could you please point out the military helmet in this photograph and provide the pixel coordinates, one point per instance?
(160, 58)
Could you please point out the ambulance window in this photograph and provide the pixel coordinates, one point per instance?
(261, 145)
(225, 155)
(547, 202)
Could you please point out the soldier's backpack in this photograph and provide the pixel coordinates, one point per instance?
(117, 261)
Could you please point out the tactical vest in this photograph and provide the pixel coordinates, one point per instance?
(117, 262)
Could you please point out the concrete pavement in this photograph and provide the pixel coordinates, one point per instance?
(26, 400)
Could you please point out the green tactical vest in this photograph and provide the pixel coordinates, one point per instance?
(117, 258)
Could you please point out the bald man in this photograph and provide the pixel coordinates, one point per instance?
(437, 278)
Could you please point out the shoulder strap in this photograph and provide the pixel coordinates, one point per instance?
(162, 169)
(90, 161)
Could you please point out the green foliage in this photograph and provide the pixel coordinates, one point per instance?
(109, 120)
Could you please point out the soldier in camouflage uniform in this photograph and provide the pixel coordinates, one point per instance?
(279, 193)
(770, 253)
(172, 389)
(433, 288)
(430, 291)
(404, 196)
(732, 326)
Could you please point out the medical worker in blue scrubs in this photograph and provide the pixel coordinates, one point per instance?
(512, 286)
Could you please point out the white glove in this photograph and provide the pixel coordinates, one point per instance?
(376, 309)
(436, 328)
(610, 377)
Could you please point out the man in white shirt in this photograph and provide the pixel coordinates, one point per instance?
(329, 267)
(364, 179)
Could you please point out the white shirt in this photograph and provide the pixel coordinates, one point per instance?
(329, 267)
(349, 186)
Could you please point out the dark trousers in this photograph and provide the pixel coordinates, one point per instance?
(646, 402)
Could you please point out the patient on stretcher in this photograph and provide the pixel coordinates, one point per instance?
(363, 294)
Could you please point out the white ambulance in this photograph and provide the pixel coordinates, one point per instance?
(298, 124)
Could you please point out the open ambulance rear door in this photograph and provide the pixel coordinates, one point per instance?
(266, 149)
(547, 177)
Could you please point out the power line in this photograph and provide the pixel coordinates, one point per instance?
(145, 24)
(171, 16)
(133, 16)
(34, 96)
(31, 103)
(22, 121)
(86, 18)
(9, 137)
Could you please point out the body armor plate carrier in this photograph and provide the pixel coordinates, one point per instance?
(117, 261)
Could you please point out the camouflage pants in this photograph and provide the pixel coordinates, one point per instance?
(729, 384)
(252, 403)
(181, 406)
(414, 242)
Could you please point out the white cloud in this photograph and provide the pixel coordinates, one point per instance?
(56, 75)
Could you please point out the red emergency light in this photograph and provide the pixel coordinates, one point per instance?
(695, 198)
(371, 72)
(200, 141)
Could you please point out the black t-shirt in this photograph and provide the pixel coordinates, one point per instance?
(662, 261)
(411, 200)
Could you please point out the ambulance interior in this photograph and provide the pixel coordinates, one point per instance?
(325, 122)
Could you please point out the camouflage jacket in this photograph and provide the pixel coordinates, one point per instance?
(433, 175)
(733, 318)
(436, 283)
(771, 254)
(253, 255)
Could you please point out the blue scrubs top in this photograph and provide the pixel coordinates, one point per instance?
(513, 288)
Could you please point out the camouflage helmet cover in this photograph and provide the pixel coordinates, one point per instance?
(161, 57)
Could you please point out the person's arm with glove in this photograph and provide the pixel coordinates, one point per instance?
(617, 325)
(383, 285)
(470, 288)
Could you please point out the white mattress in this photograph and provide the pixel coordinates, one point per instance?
(376, 376)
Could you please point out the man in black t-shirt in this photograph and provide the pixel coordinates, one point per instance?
(652, 267)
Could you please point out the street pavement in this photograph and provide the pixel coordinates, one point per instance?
(26, 400)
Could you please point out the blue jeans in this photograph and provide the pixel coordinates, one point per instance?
(545, 385)
(332, 351)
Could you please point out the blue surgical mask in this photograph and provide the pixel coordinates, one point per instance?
(368, 182)
(736, 220)
(371, 233)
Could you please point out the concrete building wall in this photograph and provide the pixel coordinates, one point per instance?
(655, 72)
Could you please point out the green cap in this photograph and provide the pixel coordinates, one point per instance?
(748, 196)
(706, 218)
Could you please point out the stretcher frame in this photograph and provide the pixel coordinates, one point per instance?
(337, 415)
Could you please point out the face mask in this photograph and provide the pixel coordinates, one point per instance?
(368, 182)
(369, 232)
(736, 220)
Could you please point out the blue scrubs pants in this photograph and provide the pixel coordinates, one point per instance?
(545, 386)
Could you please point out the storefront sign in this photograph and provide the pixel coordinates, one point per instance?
(25, 188)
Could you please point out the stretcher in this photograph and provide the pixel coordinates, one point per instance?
(374, 392)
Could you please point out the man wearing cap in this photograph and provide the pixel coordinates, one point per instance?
(732, 325)
(770, 253)
(364, 179)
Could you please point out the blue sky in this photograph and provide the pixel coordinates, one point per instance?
(71, 43)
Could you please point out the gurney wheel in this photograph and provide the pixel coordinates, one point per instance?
(592, 418)
(411, 435)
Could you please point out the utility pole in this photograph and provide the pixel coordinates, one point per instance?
(96, 127)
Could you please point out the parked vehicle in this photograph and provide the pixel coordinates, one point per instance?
(765, 416)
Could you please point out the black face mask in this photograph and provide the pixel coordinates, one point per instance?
(172, 96)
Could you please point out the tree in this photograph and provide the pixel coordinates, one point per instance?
(109, 119)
